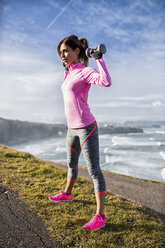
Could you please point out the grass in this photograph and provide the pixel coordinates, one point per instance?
(128, 224)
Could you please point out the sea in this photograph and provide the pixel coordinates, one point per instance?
(141, 155)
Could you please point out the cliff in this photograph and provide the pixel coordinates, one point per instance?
(17, 132)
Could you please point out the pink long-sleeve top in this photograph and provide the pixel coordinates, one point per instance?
(75, 88)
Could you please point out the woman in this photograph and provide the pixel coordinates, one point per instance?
(82, 126)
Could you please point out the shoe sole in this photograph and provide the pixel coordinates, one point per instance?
(61, 200)
(96, 228)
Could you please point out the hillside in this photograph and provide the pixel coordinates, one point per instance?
(16, 132)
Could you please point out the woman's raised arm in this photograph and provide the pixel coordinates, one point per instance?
(92, 76)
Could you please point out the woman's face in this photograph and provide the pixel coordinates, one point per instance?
(68, 55)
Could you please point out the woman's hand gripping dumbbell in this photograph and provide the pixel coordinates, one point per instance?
(96, 52)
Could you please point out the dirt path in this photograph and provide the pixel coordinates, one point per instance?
(19, 227)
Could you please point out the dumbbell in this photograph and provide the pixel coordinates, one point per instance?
(96, 52)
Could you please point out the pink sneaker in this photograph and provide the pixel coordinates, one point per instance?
(98, 221)
(61, 197)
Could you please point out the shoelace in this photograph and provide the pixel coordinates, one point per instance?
(95, 219)
(61, 193)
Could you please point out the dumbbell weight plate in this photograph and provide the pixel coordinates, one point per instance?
(102, 48)
(88, 52)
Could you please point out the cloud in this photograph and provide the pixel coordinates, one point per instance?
(32, 86)
(126, 26)
(31, 72)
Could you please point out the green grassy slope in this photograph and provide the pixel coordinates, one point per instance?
(128, 224)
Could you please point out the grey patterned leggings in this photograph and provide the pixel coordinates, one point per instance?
(85, 139)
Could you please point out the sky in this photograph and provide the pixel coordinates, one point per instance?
(31, 73)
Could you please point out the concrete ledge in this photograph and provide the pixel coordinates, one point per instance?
(149, 194)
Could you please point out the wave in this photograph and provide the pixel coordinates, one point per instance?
(163, 173)
(162, 154)
(140, 170)
(128, 141)
(160, 132)
(140, 155)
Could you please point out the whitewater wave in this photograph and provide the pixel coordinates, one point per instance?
(160, 132)
(163, 173)
(140, 155)
(162, 154)
(131, 142)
